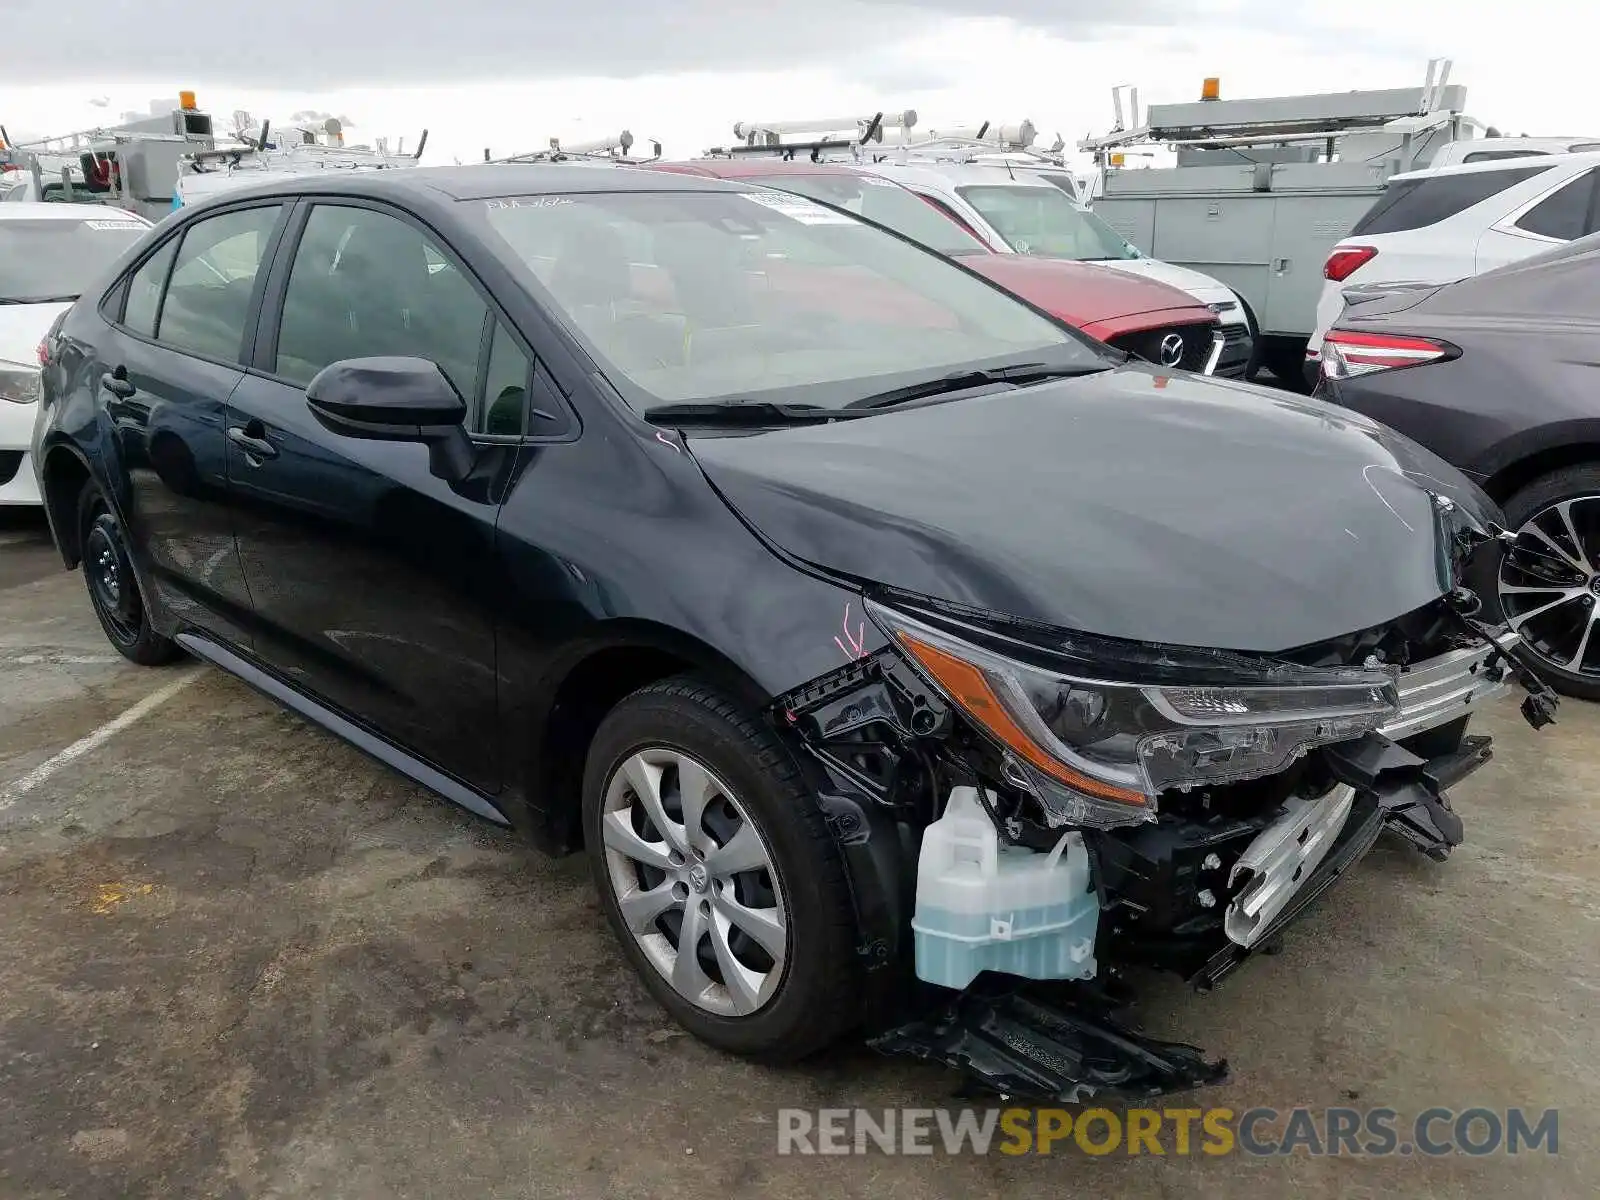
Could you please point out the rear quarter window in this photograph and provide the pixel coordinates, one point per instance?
(1418, 203)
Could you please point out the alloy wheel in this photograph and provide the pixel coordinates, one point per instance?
(1549, 584)
(694, 881)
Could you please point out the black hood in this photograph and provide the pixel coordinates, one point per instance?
(1129, 503)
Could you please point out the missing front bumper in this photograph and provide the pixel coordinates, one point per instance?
(1008, 1039)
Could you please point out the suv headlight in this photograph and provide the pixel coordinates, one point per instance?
(19, 383)
(1098, 741)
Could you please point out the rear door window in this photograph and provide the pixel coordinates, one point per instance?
(213, 279)
(1417, 203)
(1565, 214)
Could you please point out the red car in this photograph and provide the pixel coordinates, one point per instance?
(1143, 317)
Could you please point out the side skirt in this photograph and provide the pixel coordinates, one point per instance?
(384, 751)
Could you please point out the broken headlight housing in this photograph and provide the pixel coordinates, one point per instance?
(1095, 729)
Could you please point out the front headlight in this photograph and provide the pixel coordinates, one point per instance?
(1097, 743)
(19, 383)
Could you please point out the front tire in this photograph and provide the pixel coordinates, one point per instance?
(114, 588)
(1547, 585)
(700, 828)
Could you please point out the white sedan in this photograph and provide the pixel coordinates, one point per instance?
(49, 252)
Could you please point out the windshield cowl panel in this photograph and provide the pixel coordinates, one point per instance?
(692, 297)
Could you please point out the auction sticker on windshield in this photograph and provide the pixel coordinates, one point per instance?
(807, 212)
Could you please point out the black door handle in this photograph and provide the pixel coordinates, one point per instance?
(255, 447)
(117, 383)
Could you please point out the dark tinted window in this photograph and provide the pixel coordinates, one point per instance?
(365, 283)
(1415, 203)
(1565, 214)
(505, 386)
(144, 291)
(208, 296)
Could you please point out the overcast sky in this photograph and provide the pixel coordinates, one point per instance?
(482, 73)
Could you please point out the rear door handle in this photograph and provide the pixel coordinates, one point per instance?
(118, 384)
(250, 442)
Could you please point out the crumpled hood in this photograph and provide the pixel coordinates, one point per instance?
(1131, 503)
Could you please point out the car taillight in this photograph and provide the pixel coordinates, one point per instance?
(1345, 260)
(44, 352)
(1346, 354)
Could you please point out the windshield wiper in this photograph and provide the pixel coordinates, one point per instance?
(38, 299)
(744, 412)
(1020, 374)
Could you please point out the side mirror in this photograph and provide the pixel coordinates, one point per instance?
(396, 399)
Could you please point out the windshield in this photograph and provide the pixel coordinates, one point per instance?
(886, 203)
(728, 296)
(52, 257)
(1043, 221)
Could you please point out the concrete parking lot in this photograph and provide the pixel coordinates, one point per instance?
(237, 958)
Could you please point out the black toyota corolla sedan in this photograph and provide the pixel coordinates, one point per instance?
(904, 660)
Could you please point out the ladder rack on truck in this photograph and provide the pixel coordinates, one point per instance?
(614, 150)
(295, 150)
(866, 140)
(1263, 188)
(132, 166)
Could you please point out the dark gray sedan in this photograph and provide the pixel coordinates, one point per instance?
(1498, 375)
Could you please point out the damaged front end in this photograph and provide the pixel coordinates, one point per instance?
(1024, 813)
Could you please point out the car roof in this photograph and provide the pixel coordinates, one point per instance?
(1588, 158)
(35, 210)
(748, 168)
(479, 181)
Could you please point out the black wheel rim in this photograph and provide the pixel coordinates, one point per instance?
(1550, 585)
(111, 583)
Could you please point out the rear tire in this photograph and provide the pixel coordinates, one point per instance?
(756, 877)
(114, 588)
(1558, 613)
